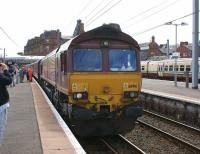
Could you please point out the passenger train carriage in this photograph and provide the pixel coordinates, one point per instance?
(94, 81)
(165, 69)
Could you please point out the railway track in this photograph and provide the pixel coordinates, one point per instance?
(174, 139)
(152, 141)
(171, 121)
(183, 132)
(109, 145)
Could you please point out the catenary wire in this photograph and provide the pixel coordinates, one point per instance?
(78, 14)
(143, 12)
(98, 5)
(107, 4)
(155, 27)
(103, 12)
(9, 37)
(154, 13)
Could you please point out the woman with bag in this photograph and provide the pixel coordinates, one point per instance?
(5, 80)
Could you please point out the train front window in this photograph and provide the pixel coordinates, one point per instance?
(122, 60)
(87, 60)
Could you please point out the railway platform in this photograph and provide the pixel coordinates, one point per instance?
(178, 102)
(167, 88)
(34, 126)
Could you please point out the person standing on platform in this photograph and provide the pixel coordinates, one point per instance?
(27, 74)
(12, 72)
(21, 75)
(24, 72)
(5, 80)
(17, 74)
(30, 74)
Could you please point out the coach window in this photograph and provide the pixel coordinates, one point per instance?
(182, 68)
(171, 68)
(142, 68)
(62, 59)
(188, 68)
(161, 68)
(65, 62)
(176, 68)
(158, 68)
(166, 68)
(41, 68)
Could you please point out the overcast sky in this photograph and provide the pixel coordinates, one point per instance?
(25, 19)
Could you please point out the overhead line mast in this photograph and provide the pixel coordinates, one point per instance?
(195, 39)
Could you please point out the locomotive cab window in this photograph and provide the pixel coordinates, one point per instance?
(122, 60)
(87, 60)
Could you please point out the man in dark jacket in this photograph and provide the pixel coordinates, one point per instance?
(5, 80)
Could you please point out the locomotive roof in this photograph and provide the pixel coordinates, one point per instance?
(110, 31)
(106, 31)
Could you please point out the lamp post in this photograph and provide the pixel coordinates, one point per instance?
(175, 52)
(4, 54)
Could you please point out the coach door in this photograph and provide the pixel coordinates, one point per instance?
(63, 69)
(160, 69)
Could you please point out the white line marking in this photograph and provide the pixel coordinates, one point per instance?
(173, 96)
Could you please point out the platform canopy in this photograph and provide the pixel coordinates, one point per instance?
(21, 59)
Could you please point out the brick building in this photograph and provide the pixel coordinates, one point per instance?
(41, 46)
(151, 49)
(185, 50)
(154, 49)
(49, 40)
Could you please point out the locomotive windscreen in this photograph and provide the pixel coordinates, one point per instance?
(122, 60)
(87, 60)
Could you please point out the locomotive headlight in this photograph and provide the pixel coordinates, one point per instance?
(133, 94)
(78, 95)
(104, 44)
(130, 94)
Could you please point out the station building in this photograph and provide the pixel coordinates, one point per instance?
(151, 50)
(45, 43)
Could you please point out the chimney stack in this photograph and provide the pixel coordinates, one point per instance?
(79, 28)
